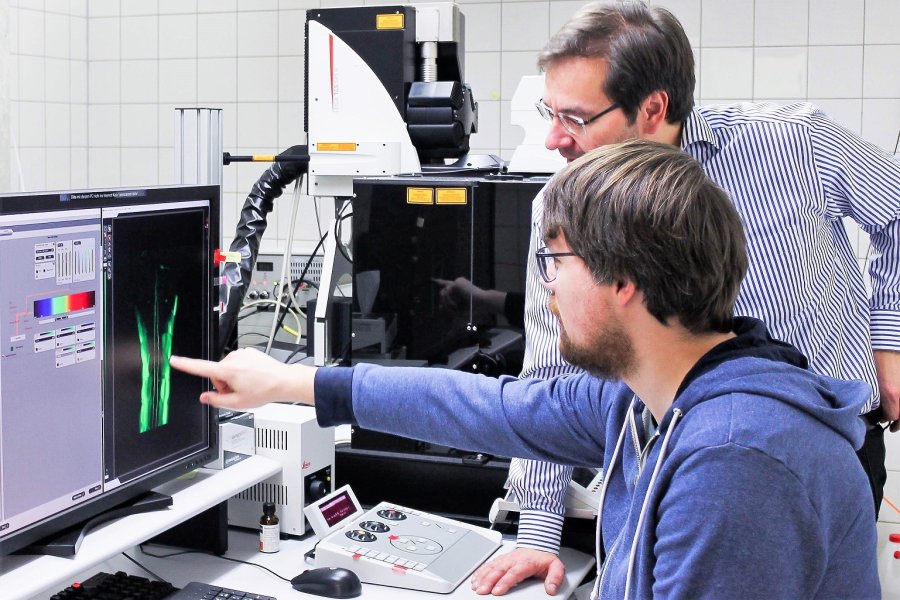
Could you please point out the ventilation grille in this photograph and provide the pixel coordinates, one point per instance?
(272, 439)
(265, 492)
(313, 274)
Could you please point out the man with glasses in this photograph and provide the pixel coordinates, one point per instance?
(620, 71)
(645, 257)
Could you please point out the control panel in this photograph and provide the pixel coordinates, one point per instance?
(398, 546)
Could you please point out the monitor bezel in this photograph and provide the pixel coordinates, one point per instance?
(40, 202)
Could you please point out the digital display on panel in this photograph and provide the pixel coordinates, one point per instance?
(338, 509)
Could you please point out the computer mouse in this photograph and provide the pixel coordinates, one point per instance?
(331, 582)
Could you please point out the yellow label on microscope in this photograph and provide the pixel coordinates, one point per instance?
(389, 21)
(416, 195)
(451, 196)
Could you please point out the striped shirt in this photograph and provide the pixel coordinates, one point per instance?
(793, 175)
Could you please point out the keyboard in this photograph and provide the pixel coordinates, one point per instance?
(116, 586)
(122, 586)
(204, 591)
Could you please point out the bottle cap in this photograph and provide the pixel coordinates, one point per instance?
(268, 508)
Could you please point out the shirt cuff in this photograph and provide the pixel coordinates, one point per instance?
(884, 326)
(333, 390)
(540, 530)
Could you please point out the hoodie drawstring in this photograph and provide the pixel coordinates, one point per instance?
(676, 415)
(606, 478)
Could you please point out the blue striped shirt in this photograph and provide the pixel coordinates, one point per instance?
(793, 175)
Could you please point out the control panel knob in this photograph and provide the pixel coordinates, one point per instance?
(317, 489)
(360, 535)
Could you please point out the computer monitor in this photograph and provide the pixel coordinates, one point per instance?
(97, 289)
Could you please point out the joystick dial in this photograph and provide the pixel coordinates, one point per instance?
(375, 526)
(391, 514)
(360, 535)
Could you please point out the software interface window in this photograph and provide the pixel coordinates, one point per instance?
(93, 306)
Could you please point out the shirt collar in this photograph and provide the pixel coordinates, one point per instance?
(697, 131)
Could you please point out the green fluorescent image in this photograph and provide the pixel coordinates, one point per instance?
(156, 348)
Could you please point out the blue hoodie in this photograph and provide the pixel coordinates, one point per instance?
(748, 488)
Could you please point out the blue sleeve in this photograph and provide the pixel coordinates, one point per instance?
(332, 389)
(561, 420)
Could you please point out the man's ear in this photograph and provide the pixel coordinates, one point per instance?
(652, 112)
(625, 291)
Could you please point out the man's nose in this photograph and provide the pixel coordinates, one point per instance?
(557, 136)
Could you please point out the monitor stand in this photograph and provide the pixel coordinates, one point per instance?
(67, 542)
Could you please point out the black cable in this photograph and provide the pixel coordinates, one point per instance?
(246, 333)
(250, 314)
(248, 235)
(300, 349)
(242, 562)
(309, 262)
(145, 568)
(338, 227)
(316, 211)
(312, 257)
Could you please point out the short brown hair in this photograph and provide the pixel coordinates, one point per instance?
(646, 212)
(645, 48)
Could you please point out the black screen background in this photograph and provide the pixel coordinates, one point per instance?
(141, 244)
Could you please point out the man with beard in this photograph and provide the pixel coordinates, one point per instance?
(623, 70)
(723, 492)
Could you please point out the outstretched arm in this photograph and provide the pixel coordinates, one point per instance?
(502, 416)
(247, 378)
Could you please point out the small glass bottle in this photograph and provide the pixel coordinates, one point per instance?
(269, 529)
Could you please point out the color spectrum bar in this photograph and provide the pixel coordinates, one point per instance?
(60, 305)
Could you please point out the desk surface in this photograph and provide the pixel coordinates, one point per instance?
(27, 576)
(289, 562)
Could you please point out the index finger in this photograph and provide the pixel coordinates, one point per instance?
(194, 366)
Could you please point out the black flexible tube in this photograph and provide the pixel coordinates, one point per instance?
(250, 229)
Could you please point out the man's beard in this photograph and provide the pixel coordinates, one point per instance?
(609, 355)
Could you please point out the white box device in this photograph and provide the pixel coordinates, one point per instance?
(289, 434)
(397, 546)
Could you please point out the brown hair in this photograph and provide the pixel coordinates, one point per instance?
(645, 48)
(646, 212)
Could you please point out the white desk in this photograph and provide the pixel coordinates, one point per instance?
(40, 576)
(37, 577)
(289, 562)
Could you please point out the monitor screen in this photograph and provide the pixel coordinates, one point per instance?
(97, 290)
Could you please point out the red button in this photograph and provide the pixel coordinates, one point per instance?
(895, 538)
(897, 554)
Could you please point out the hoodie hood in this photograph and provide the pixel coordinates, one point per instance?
(831, 401)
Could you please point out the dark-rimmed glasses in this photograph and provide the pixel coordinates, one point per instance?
(574, 125)
(546, 263)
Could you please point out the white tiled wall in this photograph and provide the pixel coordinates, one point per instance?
(89, 86)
